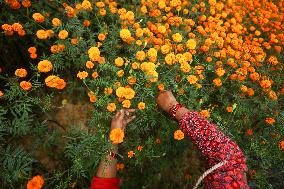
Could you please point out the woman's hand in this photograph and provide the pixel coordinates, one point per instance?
(166, 100)
(122, 118)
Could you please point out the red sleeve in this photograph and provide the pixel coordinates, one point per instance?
(105, 183)
(216, 147)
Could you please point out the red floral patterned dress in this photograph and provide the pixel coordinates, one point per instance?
(215, 147)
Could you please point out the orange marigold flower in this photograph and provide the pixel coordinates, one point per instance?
(35, 183)
(89, 64)
(281, 145)
(95, 75)
(265, 83)
(270, 121)
(55, 82)
(130, 154)
(205, 113)
(111, 107)
(101, 37)
(141, 105)
(126, 104)
(56, 22)
(178, 135)
(192, 79)
(108, 91)
(17, 27)
(250, 92)
(249, 132)
(26, 85)
(230, 109)
(217, 82)
(92, 96)
(26, 3)
(21, 72)
(7, 27)
(220, 72)
(120, 166)
(1, 93)
(32, 50)
(139, 148)
(38, 17)
(42, 34)
(116, 136)
(44, 66)
(63, 34)
(82, 75)
(33, 56)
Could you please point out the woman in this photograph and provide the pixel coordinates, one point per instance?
(217, 148)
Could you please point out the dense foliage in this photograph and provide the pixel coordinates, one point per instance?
(221, 58)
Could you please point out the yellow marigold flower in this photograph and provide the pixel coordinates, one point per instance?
(205, 113)
(192, 79)
(170, 59)
(243, 88)
(82, 75)
(140, 55)
(141, 105)
(139, 148)
(185, 67)
(125, 34)
(152, 75)
(177, 37)
(270, 121)
(130, 154)
(41, 34)
(165, 49)
(119, 61)
(152, 53)
(126, 103)
(111, 107)
(38, 17)
(89, 64)
(26, 85)
(87, 5)
(116, 136)
(56, 22)
(191, 44)
(129, 93)
(63, 34)
(44, 66)
(35, 183)
(21, 72)
(162, 29)
(131, 80)
(120, 92)
(147, 66)
(55, 82)
(120, 73)
(178, 135)
(94, 53)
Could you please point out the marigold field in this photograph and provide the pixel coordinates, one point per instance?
(67, 66)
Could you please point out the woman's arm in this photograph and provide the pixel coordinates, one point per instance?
(106, 173)
(214, 146)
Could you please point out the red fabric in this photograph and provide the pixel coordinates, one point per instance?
(216, 147)
(105, 183)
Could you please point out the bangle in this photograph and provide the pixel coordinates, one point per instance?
(112, 154)
(173, 110)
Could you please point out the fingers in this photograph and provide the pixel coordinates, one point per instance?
(130, 119)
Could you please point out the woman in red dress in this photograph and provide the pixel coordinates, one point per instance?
(224, 155)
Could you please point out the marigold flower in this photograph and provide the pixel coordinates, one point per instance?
(33, 56)
(250, 92)
(217, 82)
(165, 49)
(119, 61)
(82, 75)
(135, 65)
(220, 72)
(178, 135)
(249, 132)
(152, 75)
(108, 91)
(38, 17)
(63, 34)
(191, 44)
(26, 85)
(21, 72)
(177, 37)
(1, 93)
(139, 148)
(17, 27)
(55, 82)
(205, 113)
(56, 22)
(116, 135)
(126, 104)
(230, 109)
(192, 79)
(265, 83)
(140, 55)
(44, 66)
(128, 93)
(101, 37)
(92, 97)
(270, 121)
(26, 3)
(41, 34)
(89, 64)
(87, 5)
(32, 50)
(141, 105)
(130, 154)
(35, 183)
(125, 34)
(120, 73)
(120, 166)
(111, 107)
(7, 27)
(281, 145)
